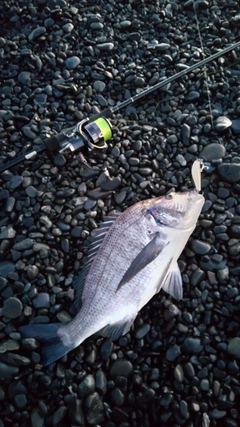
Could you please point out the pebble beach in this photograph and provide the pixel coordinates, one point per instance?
(62, 61)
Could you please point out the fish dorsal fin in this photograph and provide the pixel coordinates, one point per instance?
(95, 241)
(173, 283)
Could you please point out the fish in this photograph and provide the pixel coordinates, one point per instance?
(133, 255)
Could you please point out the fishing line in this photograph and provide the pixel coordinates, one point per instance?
(204, 67)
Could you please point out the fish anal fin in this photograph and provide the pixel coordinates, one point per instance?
(147, 255)
(173, 283)
(116, 330)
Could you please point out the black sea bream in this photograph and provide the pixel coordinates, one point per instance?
(133, 255)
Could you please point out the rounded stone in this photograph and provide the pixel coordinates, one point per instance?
(42, 300)
(12, 308)
(229, 172)
(72, 62)
(213, 151)
(234, 347)
(99, 86)
(121, 368)
(199, 247)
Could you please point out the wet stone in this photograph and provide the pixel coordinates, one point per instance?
(36, 418)
(6, 267)
(222, 123)
(229, 172)
(178, 373)
(173, 353)
(23, 245)
(58, 416)
(41, 300)
(15, 182)
(141, 332)
(213, 151)
(192, 345)
(36, 33)
(121, 368)
(94, 409)
(32, 272)
(99, 86)
(200, 247)
(106, 349)
(12, 308)
(76, 414)
(236, 126)
(25, 78)
(87, 386)
(20, 400)
(234, 347)
(107, 47)
(185, 134)
(72, 62)
(101, 381)
(31, 191)
(7, 233)
(215, 414)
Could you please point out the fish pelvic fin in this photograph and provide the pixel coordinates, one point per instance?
(147, 255)
(173, 283)
(52, 345)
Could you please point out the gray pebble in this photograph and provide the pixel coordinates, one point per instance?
(213, 151)
(76, 413)
(96, 26)
(229, 172)
(41, 300)
(193, 95)
(9, 345)
(36, 418)
(72, 62)
(101, 381)
(162, 47)
(142, 331)
(7, 233)
(23, 245)
(25, 78)
(121, 367)
(15, 181)
(68, 27)
(99, 86)
(12, 308)
(234, 347)
(192, 345)
(236, 126)
(87, 386)
(178, 373)
(36, 33)
(200, 247)
(7, 371)
(31, 191)
(216, 414)
(94, 409)
(6, 267)
(173, 353)
(108, 47)
(20, 400)
(32, 271)
(58, 416)
(222, 123)
(185, 134)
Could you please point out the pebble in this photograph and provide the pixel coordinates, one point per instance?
(36, 33)
(7, 233)
(222, 123)
(234, 347)
(121, 368)
(213, 151)
(173, 353)
(25, 78)
(229, 172)
(72, 62)
(200, 247)
(236, 126)
(12, 308)
(99, 86)
(192, 345)
(87, 386)
(41, 300)
(107, 47)
(94, 409)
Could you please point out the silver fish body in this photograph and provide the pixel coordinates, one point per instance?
(131, 258)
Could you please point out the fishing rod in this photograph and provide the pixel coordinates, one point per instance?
(94, 132)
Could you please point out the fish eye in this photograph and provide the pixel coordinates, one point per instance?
(169, 196)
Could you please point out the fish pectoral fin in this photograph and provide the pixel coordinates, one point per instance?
(173, 283)
(116, 330)
(147, 255)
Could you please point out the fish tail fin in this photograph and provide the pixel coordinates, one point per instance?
(51, 342)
